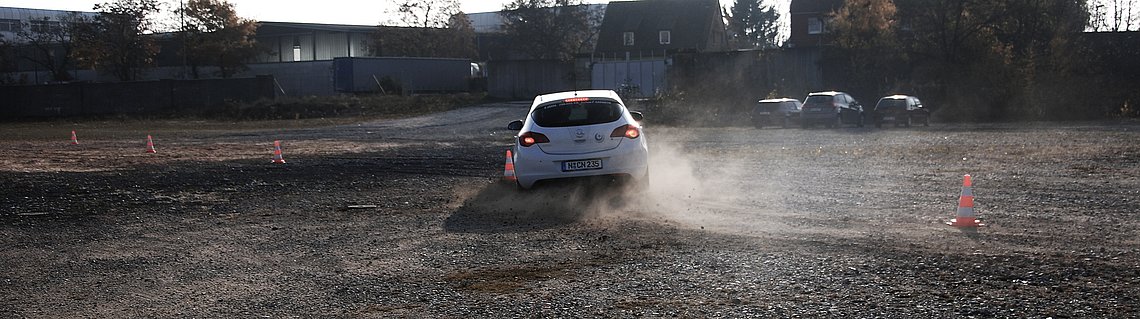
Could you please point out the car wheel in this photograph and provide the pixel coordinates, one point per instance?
(860, 123)
(926, 120)
(908, 120)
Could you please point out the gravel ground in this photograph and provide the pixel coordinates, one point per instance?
(406, 218)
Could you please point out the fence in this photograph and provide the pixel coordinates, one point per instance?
(143, 97)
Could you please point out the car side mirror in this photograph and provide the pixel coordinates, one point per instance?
(515, 125)
(637, 116)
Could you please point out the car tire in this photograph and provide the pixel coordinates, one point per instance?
(926, 120)
(861, 120)
(908, 120)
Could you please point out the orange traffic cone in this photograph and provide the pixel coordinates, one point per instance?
(965, 216)
(509, 170)
(150, 145)
(74, 140)
(277, 153)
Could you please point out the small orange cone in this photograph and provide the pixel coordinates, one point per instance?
(74, 140)
(277, 153)
(965, 216)
(509, 170)
(150, 145)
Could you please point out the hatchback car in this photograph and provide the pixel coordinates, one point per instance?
(900, 110)
(580, 134)
(831, 109)
(783, 112)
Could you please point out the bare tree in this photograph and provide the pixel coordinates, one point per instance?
(1114, 15)
(48, 43)
(426, 13)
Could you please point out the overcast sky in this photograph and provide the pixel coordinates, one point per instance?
(362, 12)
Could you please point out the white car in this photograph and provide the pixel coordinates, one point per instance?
(580, 134)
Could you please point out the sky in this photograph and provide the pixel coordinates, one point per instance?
(360, 12)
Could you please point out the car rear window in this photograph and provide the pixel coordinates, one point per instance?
(768, 106)
(818, 99)
(577, 113)
(890, 104)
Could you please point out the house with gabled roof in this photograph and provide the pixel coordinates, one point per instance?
(659, 28)
(809, 19)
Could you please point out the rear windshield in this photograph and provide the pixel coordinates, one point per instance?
(818, 99)
(768, 106)
(890, 104)
(578, 113)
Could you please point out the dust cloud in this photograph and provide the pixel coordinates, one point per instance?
(686, 188)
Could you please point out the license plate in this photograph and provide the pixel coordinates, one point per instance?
(582, 165)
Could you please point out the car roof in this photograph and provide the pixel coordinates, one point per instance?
(779, 100)
(895, 97)
(830, 93)
(610, 94)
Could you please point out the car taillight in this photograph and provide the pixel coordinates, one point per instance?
(530, 138)
(627, 131)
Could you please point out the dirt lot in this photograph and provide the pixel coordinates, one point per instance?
(404, 218)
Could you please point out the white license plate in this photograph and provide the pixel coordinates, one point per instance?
(582, 165)
(888, 118)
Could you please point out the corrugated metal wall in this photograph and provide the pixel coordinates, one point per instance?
(644, 77)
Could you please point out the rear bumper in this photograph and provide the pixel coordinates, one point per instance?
(532, 165)
(810, 118)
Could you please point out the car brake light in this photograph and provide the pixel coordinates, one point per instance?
(576, 99)
(627, 131)
(530, 138)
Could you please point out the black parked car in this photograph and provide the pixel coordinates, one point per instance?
(831, 109)
(900, 110)
(783, 112)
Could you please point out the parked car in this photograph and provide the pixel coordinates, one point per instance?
(783, 112)
(580, 134)
(900, 110)
(831, 109)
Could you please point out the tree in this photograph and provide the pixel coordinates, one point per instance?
(6, 58)
(548, 29)
(50, 43)
(117, 41)
(989, 59)
(751, 25)
(456, 40)
(431, 28)
(865, 31)
(427, 13)
(214, 34)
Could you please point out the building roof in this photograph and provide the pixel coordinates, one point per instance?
(276, 28)
(689, 23)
